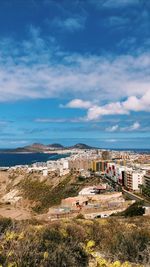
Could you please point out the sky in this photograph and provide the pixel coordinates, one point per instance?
(75, 71)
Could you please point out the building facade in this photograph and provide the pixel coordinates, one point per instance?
(133, 179)
(147, 179)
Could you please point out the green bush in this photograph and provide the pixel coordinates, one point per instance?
(136, 209)
(44, 195)
(5, 223)
(80, 216)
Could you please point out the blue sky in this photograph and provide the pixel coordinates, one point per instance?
(75, 71)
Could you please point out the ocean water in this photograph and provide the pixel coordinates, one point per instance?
(12, 159)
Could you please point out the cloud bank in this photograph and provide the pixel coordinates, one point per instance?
(102, 84)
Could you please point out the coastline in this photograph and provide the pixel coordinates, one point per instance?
(8, 160)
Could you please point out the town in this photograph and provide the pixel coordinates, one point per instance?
(103, 182)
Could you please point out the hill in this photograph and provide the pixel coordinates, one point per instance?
(81, 146)
(37, 147)
(56, 146)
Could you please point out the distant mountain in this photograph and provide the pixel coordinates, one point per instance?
(81, 146)
(37, 147)
(58, 146)
(34, 148)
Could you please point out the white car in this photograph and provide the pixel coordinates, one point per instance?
(104, 215)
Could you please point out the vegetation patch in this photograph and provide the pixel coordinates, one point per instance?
(77, 243)
(4, 224)
(46, 196)
(136, 209)
(145, 191)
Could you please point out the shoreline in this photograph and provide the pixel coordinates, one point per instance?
(14, 162)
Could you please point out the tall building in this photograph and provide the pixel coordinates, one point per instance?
(106, 155)
(147, 179)
(115, 172)
(80, 163)
(99, 165)
(133, 179)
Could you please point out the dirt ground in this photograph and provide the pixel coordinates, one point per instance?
(18, 211)
(3, 182)
(15, 213)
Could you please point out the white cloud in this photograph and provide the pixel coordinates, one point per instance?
(135, 126)
(38, 68)
(118, 3)
(95, 112)
(113, 128)
(59, 120)
(70, 24)
(14, 142)
(49, 120)
(116, 21)
(138, 104)
(78, 103)
(111, 140)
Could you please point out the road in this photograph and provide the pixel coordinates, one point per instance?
(134, 197)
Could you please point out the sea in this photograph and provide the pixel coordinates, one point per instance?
(13, 159)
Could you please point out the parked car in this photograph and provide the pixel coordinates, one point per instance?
(104, 215)
(97, 216)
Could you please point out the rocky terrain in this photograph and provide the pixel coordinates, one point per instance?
(24, 195)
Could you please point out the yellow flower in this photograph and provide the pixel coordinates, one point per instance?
(46, 255)
(126, 264)
(38, 227)
(101, 262)
(10, 253)
(90, 244)
(12, 264)
(116, 264)
(21, 236)
(10, 235)
(64, 233)
(1, 249)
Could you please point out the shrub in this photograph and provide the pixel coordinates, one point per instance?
(80, 216)
(5, 223)
(45, 246)
(44, 195)
(136, 209)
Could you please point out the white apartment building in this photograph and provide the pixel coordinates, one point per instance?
(147, 179)
(111, 171)
(120, 170)
(133, 179)
(115, 172)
